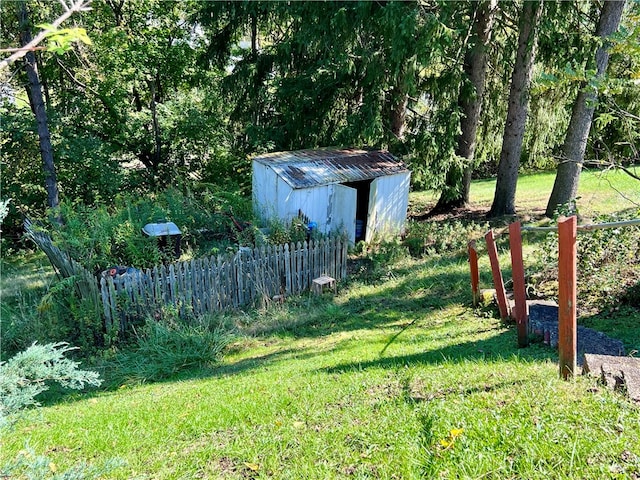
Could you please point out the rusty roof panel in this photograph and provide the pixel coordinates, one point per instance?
(310, 168)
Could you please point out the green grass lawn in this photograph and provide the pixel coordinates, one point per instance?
(369, 384)
(396, 377)
(599, 192)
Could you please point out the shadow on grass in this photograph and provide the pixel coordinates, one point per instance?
(431, 285)
(430, 295)
(494, 349)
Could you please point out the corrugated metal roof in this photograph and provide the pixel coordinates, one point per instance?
(310, 168)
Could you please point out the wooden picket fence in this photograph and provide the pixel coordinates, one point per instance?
(212, 284)
(202, 285)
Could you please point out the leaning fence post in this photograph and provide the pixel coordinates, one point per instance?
(519, 290)
(567, 296)
(503, 306)
(475, 276)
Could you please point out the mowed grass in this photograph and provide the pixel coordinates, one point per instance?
(395, 377)
(599, 192)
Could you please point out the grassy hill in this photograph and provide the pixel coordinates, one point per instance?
(396, 377)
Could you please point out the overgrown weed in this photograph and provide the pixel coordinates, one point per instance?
(167, 345)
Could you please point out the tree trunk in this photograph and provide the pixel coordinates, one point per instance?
(505, 194)
(34, 91)
(458, 182)
(398, 114)
(565, 186)
(254, 35)
(157, 154)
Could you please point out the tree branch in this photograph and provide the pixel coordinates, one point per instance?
(77, 6)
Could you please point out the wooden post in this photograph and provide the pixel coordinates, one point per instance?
(519, 290)
(475, 276)
(503, 306)
(567, 296)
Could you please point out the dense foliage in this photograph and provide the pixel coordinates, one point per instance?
(608, 263)
(184, 92)
(29, 373)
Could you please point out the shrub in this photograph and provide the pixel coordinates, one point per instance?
(99, 237)
(30, 465)
(281, 232)
(29, 373)
(22, 379)
(607, 264)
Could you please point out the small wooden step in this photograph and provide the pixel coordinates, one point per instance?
(319, 283)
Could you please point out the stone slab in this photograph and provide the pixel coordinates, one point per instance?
(593, 363)
(632, 383)
(619, 373)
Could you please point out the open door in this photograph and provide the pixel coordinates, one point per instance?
(388, 202)
(343, 211)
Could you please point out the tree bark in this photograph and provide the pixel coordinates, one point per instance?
(157, 154)
(505, 194)
(398, 114)
(34, 90)
(458, 181)
(565, 187)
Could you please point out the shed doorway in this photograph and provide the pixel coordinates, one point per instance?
(363, 190)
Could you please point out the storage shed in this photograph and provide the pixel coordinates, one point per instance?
(364, 193)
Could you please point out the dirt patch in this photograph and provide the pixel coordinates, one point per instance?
(475, 213)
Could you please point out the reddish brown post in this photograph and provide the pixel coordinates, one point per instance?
(519, 290)
(567, 336)
(503, 306)
(475, 276)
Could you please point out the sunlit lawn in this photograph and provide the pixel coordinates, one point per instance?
(599, 192)
(395, 377)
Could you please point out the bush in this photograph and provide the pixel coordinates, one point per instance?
(22, 379)
(30, 465)
(281, 232)
(29, 373)
(607, 264)
(100, 237)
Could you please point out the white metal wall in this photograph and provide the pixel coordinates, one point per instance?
(343, 202)
(274, 198)
(314, 203)
(264, 187)
(388, 202)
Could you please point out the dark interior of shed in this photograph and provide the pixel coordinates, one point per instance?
(362, 206)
